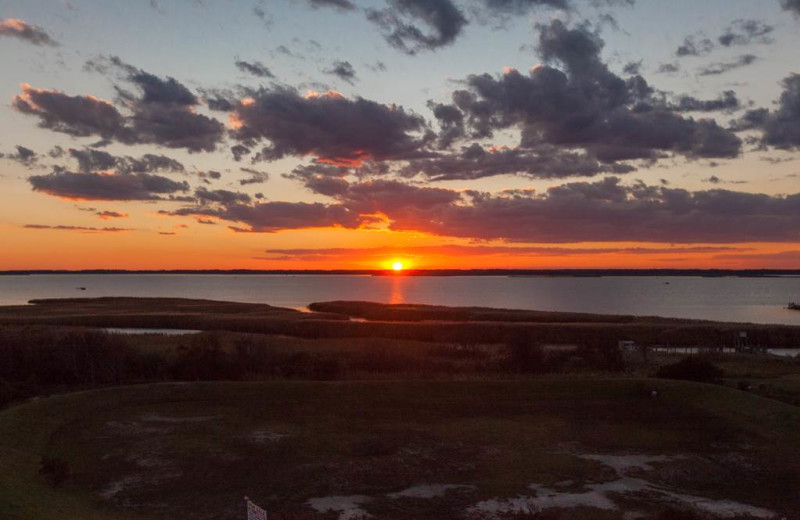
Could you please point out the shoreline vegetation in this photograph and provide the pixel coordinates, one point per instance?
(712, 273)
(392, 411)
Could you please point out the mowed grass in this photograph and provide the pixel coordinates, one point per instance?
(194, 450)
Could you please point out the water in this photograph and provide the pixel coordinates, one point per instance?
(165, 332)
(755, 300)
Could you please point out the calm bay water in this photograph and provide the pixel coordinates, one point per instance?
(756, 300)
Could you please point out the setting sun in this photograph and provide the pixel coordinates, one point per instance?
(397, 266)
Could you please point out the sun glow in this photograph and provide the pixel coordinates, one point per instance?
(397, 266)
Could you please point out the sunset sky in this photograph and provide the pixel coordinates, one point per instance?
(335, 134)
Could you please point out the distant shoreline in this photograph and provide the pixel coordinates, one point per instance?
(591, 273)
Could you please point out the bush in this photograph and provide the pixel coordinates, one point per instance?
(692, 368)
(524, 356)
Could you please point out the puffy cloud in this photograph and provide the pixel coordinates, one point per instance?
(722, 67)
(80, 116)
(586, 106)
(97, 186)
(781, 127)
(328, 126)
(256, 68)
(442, 19)
(343, 70)
(15, 28)
(163, 114)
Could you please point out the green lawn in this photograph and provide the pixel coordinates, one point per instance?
(193, 450)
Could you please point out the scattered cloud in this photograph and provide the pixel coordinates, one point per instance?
(97, 186)
(15, 28)
(82, 229)
(342, 70)
(442, 22)
(722, 67)
(255, 68)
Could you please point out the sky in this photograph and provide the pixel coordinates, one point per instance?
(355, 134)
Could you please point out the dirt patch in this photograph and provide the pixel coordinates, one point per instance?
(348, 507)
(602, 495)
(427, 491)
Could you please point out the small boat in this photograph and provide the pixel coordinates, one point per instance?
(794, 306)
(81, 288)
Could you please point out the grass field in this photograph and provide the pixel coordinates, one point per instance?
(590, 448)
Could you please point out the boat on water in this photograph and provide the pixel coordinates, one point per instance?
(794, 306)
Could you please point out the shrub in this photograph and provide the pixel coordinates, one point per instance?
(691, 368)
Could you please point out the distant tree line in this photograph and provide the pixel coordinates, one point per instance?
(42, 360)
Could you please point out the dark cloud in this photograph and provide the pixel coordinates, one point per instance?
(23, 155)
(270, 217)
(107, 215)
(586, 106)
(605, 210)
(746, 32)
(343, 70)
(256, 177)
(452, 250)
(323, 179)
(518, 7)
(442, 19)
(345, 5)
(693, 46)
(90, 159)
(256, 68)
(80, 116)
(96, 186)
(633, 68)
(791, 5)
(475, 162)
(223, 197)
(781, 127)
(163, 114)
(722, 67)
(22, 30)
(727, 101)
(327, 125)
(83, 229)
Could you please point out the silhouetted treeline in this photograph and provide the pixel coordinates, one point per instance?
(42, 360)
